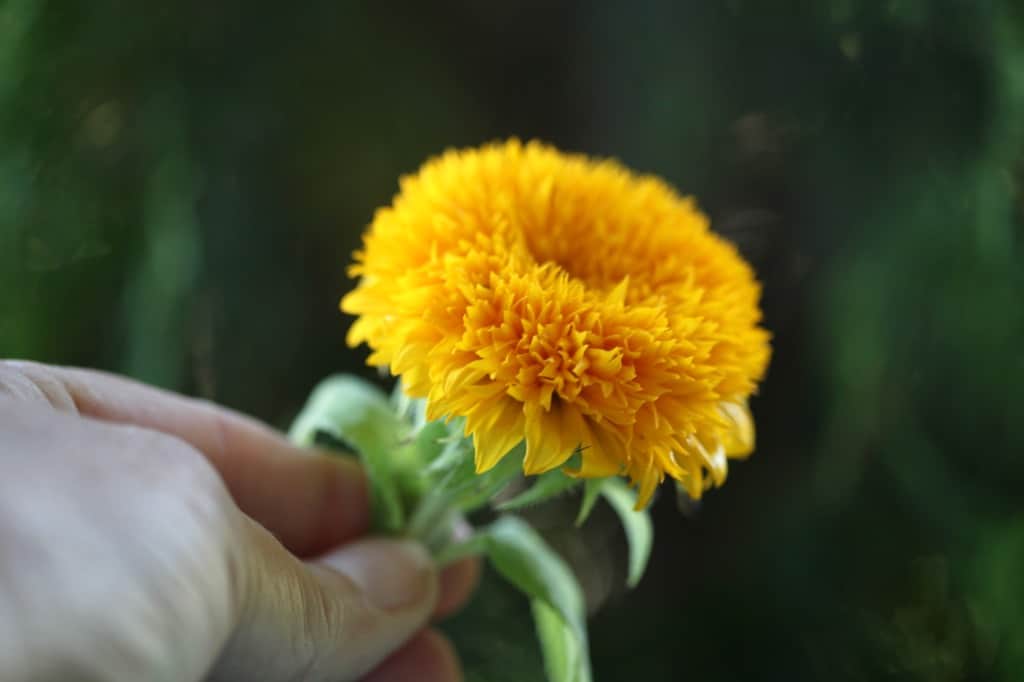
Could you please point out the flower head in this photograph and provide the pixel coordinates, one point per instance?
(569, 302)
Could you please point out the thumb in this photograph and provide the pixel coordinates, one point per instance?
(333, 619)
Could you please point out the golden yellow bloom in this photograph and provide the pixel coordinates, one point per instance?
(547, 296)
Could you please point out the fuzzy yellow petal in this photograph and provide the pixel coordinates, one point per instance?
(738, 441)
(495, 438)
(602, 454)
(547, 444)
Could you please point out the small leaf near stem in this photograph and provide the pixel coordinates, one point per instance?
(547, 486)
(358, 414)
(637, 524)
(432, 511)
(519, 554)
(591, 492)
(477, 490)
(474, 545)
(561, 648)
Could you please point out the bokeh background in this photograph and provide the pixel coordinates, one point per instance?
(181, 185)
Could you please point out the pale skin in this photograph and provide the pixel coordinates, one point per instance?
(144, 535)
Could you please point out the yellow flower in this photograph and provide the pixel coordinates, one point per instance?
(568, 301)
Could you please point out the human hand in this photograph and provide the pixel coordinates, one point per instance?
(144, 535)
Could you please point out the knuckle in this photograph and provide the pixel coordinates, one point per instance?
(167, 462)
(175, 481)
(183, 500)
(331, 615)
(33, 383)
(154, 517)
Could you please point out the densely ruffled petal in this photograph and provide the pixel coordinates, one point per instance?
(548, 297)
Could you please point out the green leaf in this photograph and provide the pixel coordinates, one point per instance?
(430, 442)
(412, 410)
(637, 524)
(474, 490)
(360, 415)
(400, 402)
(452, 471)
(456, 450)
(474, 545)
(591, 492)
(520, 555)
(558, 642)
(547, 485)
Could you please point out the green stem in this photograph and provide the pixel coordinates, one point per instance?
(474, 545)
(440, 535)
(432, 521)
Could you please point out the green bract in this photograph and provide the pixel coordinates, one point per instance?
(423, 479)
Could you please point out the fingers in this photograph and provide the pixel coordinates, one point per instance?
(311, 503)
(112, 565)
(332, 620)
(428, 657)
(458, 582)
(43, 390)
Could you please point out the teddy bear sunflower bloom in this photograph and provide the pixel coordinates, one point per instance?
(552, 316)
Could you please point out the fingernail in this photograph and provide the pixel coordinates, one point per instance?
(394, 574)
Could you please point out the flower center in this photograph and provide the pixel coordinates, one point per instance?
(599, 268)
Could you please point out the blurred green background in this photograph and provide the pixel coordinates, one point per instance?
(181, 185)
